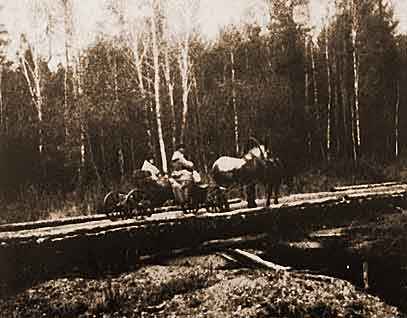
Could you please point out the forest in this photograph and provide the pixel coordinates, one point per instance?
(330, 100)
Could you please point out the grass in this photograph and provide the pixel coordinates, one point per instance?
(114, 297)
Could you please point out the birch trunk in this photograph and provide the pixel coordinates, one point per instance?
(68, 25)
(82, 130)
(329, 106)
(235, 114)
(314, 82)
(200, 139)
(157, 86)
(355, 121)
(170, 85)
(120, 153)
(139, 58)
(33, 79)
(345, 97)
(396, 121)
(1, 101)
(184, 65)
(306, 93)
(335, 110)
(306, 74)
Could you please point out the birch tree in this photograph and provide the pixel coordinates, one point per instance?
(170, 83)
(31, 41)
(68, 32)
(329, 104)
(235, 113)
(156, 52)
(184, 29)
(1, 99)
(133, 19)
(396, 120)
(355, 109)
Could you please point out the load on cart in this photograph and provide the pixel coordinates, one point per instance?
(154, 190)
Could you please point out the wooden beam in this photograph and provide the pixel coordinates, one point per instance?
(365, 186)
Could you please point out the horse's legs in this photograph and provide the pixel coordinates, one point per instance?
(277, 185)
(269, 188)
(251, 195)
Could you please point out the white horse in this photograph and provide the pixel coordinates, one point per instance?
(254, 167)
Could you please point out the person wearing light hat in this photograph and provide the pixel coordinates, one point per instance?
(182, 174)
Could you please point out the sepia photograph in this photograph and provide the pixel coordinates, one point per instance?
(203, 159)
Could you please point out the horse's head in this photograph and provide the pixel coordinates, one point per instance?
(258, 152)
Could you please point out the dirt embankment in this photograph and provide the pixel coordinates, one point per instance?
(196, 287)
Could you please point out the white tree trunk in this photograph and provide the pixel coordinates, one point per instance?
(356, 121)
(68, 25)
(82, 130)
(235, 113)
(184, 65)
(120, 151)
(306, 75)
(170, 84)
(1, 100)
(139, 58)
(33, 79)
(156, 52)
(329, 106)
(314, 81)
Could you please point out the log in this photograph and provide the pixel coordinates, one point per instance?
(229, 258)
(211, 247)
(252, 259)
(21, 226)
(321, 278)
(10, 227)
(365, 186)
(249, 258)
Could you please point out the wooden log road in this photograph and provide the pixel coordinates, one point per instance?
(39, 252)
(10, 227)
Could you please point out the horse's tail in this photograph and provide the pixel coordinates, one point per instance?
(215, 176)
(258, 146)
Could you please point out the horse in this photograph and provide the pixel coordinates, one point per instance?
(254, 167)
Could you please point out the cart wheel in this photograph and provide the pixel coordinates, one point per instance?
(191, 207)
(136, 204)
(212, 208)
(211, 203)
(112, 204)
(223, 202)
(217, 201)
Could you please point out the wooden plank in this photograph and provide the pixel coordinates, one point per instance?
(365, 186)
(48, 223)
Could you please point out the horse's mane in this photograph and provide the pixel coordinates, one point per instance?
(256, 152)
(261, 149)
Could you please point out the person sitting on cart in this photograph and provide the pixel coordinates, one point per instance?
(183, 174)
